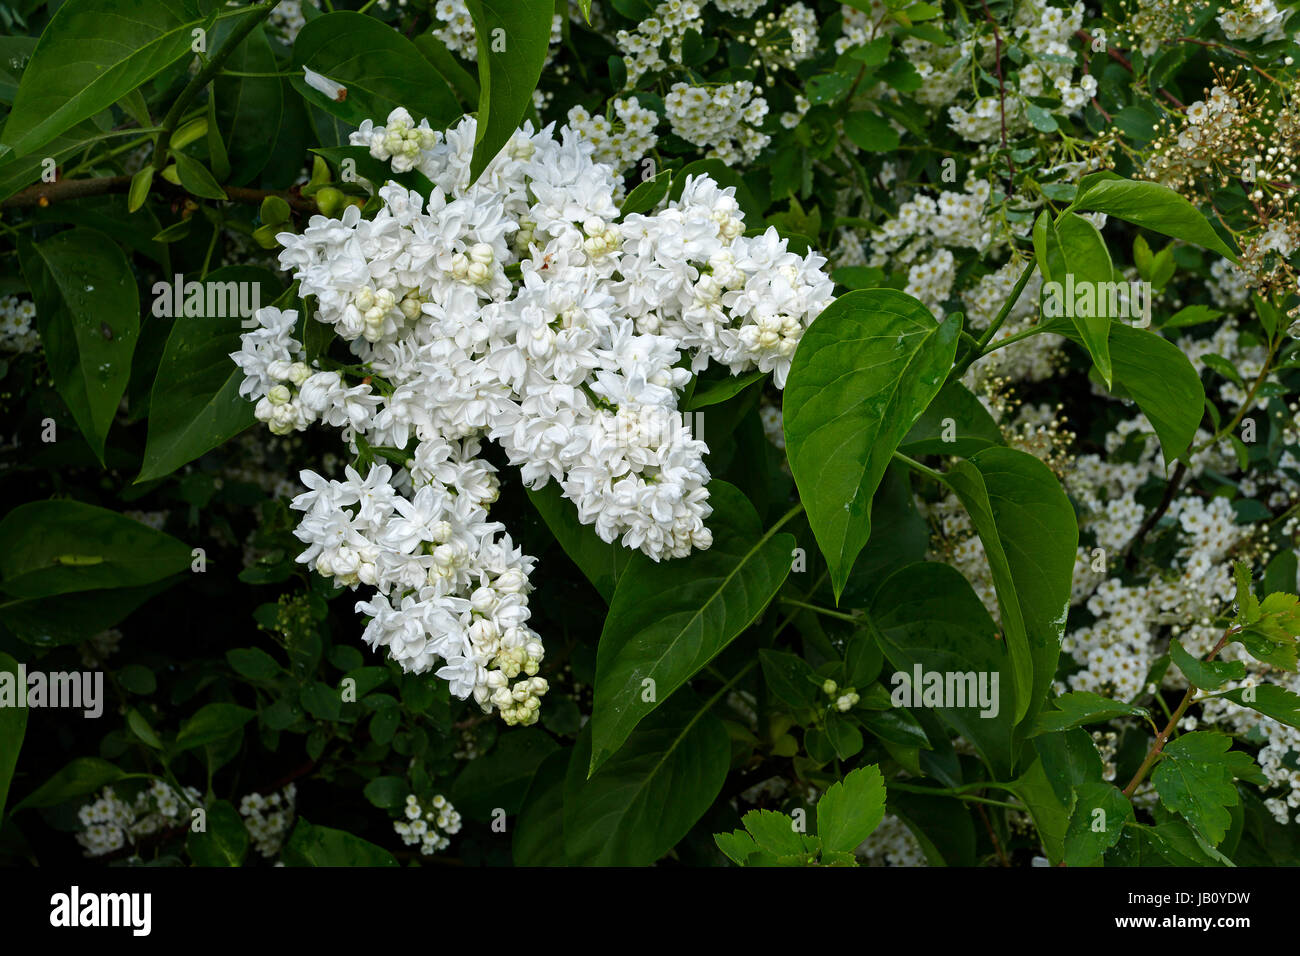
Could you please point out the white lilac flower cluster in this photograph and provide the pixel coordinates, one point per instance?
(429, 828)
(720, 118)
(517, 309)
(111, 822)
(267, 818)
(399, 142)
(17, 331)
(451, 585)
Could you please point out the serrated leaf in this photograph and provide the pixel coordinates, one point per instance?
(1271, 701)
(1205, 674)
(851, 809)
(1080, 708)
(1195, 779)
(1096, 824)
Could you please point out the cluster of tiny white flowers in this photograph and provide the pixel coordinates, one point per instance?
(428, 828)
(569, 362)
(1254, 20)
(984, 121)
(622, 143)
(792, 118)
(1229, 285)
(784, 40)
(286, 19)
(951, 218)
(739, 8)
(456, 28)
(17, 331)
(1208, 119)
(940, 82)
(641, 47)
(931, 280)
(111, 823)
(1032, 360)
(720, 119)
(267, 818)
(891, 844)
(856, 25)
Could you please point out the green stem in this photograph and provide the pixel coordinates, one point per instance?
(838, 615)
(959, 793)
(1020, 336)
(202, 78)
(245, 73)
(996, 324)
(918, 467)
(1163, 738)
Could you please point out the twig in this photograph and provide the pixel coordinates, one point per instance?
(1123, 61)
(1165, 734)
(202, 78)
(1135, 543)
(1002, 88)
(46, 194)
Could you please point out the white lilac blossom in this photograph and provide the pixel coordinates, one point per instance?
(519, 310)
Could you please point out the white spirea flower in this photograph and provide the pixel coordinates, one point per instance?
(268, 818)
(521, 310)
(429, 827)
(111, 822)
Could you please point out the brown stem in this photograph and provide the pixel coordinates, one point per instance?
(997, 844)
(1231, 49)
(1123, 61)
(45, 194)
(1002, 87)
(1159, 746)
(1171, 489)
